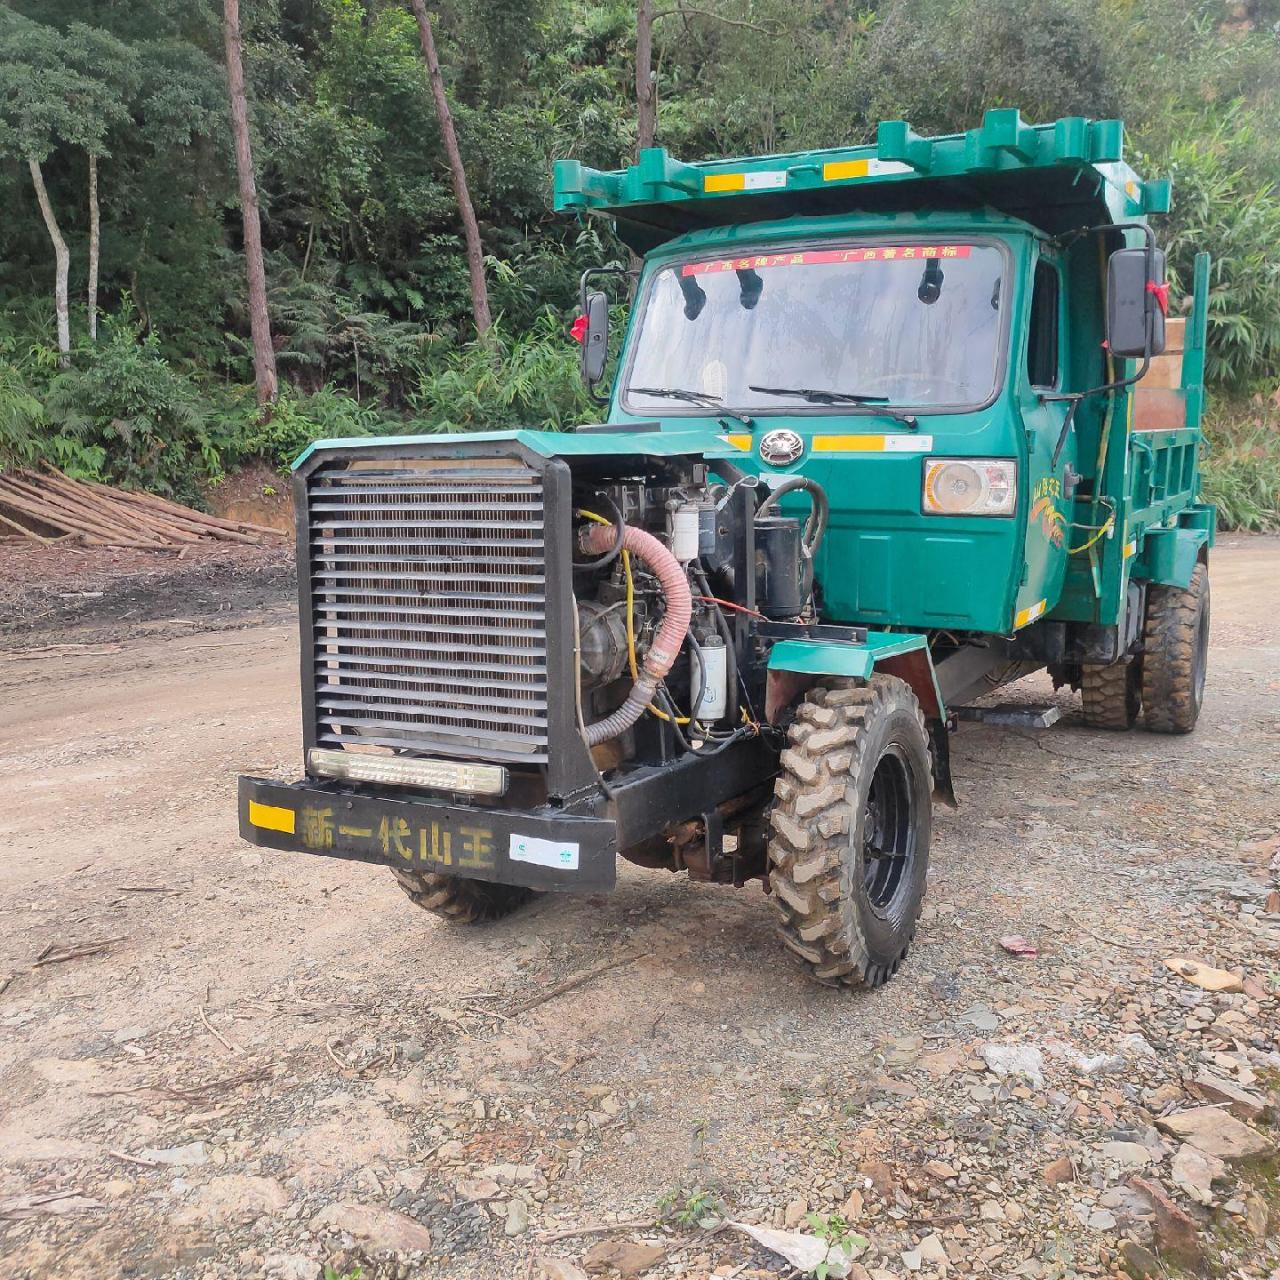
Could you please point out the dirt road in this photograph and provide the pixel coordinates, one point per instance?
(276, 1061)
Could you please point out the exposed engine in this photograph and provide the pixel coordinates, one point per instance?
(671, 572)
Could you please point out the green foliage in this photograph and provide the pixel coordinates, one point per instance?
(60, 87)
(691, 1207)
(21, 414)
(293, 423)
(1240, 471)
(121, 413)
(505, 380)
(839, 1238)
(352, 1273)
(1224, 208)
(368, 285)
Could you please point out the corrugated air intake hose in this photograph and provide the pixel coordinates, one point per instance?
(597, 539)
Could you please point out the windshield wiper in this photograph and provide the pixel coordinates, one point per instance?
(679, 393)
(818, 396)
(704, 398)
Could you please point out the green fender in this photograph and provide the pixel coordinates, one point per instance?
(895, 653)
(1169, 555)
(902, 654)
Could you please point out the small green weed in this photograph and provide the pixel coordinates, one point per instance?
(838, 1236)
(330, 1274)
(688, 1208)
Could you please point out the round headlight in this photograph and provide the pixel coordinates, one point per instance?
(969, 486)
(956, 487)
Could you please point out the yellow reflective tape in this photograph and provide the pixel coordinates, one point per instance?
(738, 442)
(271, 817)
(849, 444)
(838, 169)
(1130, 548)
(1029, 614)
(724, 182)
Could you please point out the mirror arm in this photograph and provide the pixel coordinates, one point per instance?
(1073, 398)
(611, 269)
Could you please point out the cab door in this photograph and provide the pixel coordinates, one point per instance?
(1041, 370)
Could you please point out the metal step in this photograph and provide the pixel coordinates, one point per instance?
(1015, 714)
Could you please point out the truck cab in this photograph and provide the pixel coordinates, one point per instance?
(880, 436)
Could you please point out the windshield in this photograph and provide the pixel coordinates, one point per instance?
(910, 325)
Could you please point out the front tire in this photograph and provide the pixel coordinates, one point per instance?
(461, 901)
(1175, 653)
(851, 830)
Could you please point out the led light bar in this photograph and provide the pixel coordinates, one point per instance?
(406, 771)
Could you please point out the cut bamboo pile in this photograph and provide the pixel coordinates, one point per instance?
(47, 507)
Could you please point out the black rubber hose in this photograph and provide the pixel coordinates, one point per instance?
(816, 525)
(601, 562)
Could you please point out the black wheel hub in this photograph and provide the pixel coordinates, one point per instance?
(889, 835)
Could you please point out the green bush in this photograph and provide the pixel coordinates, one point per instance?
(294, 422)
(1241, 467)
(504, 380)
(119, 412)
(1219, 206)
(21, 412)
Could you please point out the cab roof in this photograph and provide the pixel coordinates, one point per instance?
(1054, 176)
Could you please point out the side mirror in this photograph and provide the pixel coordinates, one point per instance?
(1135, 310)
(595, 342)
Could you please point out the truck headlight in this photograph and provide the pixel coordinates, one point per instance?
(970, 487)
(409, 771)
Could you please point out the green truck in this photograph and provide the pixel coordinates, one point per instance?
(890, 426)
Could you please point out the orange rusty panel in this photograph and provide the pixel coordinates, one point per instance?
(1158, 409)
(1165, 373)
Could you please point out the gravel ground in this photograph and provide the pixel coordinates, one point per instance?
(220, 1063)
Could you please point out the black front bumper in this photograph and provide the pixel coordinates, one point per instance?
(542, 850)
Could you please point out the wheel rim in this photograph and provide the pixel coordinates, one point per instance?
(889, 835)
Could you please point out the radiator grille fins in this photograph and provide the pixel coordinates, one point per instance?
(428, 594)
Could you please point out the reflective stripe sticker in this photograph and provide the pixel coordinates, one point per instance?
(272, 817)
(1029, 614)
(840, 170)
(738, 441)
(1130, 548)
(872, 444)
(773, 181)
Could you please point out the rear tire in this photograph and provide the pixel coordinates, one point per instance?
(1112, 695)
(1175, 653)
(461, 901)
(851, 830)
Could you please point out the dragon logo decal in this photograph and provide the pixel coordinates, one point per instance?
(1044, 510)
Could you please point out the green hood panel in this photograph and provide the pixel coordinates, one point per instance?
(702, 440)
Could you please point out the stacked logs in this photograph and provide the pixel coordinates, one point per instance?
(47, 507)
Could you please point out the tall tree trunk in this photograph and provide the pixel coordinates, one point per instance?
(95, 246)
(646, 89)
(62, 263)
(470, 228)
(264, 355)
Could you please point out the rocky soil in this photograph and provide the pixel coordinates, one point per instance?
(220, 1063)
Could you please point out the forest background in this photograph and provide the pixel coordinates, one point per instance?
(118, 163)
